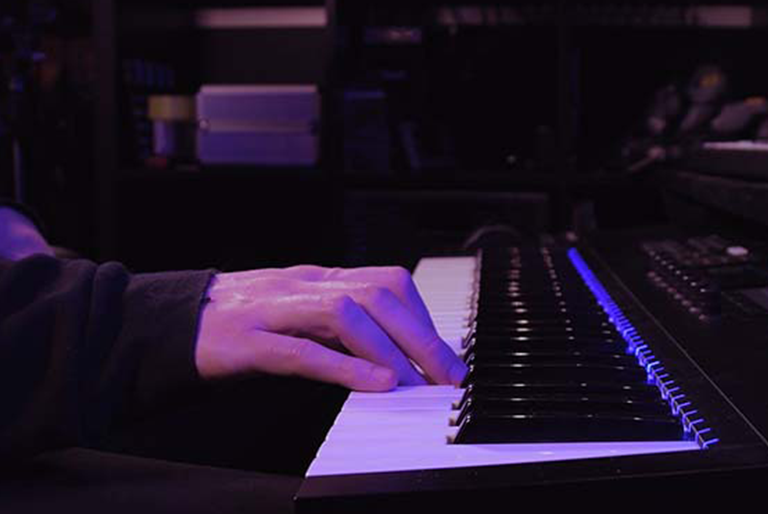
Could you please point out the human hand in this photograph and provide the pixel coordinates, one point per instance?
(19, 237)
(360, 328)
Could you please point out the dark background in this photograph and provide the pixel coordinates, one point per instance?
(515, 124)
(519, 125)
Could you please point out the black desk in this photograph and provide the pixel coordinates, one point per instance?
(86, 481)
(238, 448)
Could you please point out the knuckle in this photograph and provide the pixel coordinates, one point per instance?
(276, 284)
(294, 358)
(307, 272)
(400, 277)
(298, 351)
(377, 295)
(340, 308)
(332, 273)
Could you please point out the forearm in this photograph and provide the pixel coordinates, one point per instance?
(83, 347)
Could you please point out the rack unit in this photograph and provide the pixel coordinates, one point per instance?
(192, 215)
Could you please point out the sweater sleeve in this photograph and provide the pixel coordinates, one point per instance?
(83, 347)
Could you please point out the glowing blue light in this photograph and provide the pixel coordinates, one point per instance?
(637, 346)
(649, 367)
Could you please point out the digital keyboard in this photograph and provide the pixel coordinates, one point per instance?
(571, 381)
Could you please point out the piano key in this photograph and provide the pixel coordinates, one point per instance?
(501, 319)
(513, 356)
(543, 332)
(566, 427)
(609, 352)
(640, 392)
(575, 395)
(571, 404)
(578, 372)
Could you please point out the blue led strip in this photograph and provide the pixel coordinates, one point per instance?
(693, 425)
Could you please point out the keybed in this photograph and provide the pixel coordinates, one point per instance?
(531, 395)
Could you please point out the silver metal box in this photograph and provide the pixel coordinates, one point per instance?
(258, 125)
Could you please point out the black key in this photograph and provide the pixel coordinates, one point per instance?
(543, 332)
(612, 345)
(566, 427)
(580, 327)
(639, 392)
(511, 356)
(572, 403)
(542, 313)
(537, 319)
(549, 342)
(553, 305)
(566, 372)
(651, 396)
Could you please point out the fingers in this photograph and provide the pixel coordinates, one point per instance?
(370, 322)
(365, 338)
(375, 313)
(286, 355)
(417, 340)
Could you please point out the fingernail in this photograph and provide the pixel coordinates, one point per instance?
(457, 373)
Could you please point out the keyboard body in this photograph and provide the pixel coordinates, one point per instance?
(715, 358)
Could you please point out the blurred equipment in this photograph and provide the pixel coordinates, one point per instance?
(665, 111)
(142, 79)
(22, 27)
(173, 127)
(706, 93)
(366, 131)
(679, 121)
(47, 78)
(739, 120)
(259, 124)
(735, 145)
(663, 115)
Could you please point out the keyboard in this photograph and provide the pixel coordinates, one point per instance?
(740, 160)
(569, 380)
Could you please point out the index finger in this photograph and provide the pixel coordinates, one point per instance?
(419, 341)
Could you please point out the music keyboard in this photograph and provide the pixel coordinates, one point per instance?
(408, 429)
(400, 445)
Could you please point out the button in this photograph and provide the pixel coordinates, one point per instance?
(737, 251)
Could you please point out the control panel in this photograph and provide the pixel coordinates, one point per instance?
(711, 275)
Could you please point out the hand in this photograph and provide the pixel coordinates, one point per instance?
(19, 237)
(367, 329)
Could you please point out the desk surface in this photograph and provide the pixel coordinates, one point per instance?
(241, 448)
(86, 481)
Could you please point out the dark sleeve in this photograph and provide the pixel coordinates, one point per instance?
(84, 347)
